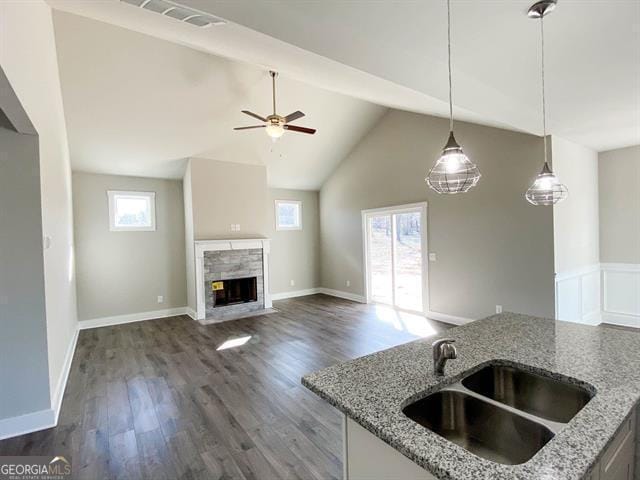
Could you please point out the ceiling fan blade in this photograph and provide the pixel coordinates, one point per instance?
(248, 128)
(295, 128)
(293, 116)
(254, 115)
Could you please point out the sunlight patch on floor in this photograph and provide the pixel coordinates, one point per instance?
(405, 321)
(234, 342)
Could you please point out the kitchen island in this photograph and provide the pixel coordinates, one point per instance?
(598, 442)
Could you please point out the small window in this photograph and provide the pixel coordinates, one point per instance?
(132, 211)
(288, 215)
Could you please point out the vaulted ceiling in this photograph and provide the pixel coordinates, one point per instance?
(331, 53)
(138, 105)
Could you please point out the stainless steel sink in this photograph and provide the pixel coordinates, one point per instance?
(501, 412)
(538, 395)
(480, 427)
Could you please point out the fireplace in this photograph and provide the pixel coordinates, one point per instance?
(232, 279)
(234, 291)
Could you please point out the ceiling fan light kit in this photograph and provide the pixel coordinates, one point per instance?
(453, 172)
(274, 124)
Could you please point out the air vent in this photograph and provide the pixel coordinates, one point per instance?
(177, 12)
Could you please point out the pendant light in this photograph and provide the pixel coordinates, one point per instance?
(546, 188)
(453, 172)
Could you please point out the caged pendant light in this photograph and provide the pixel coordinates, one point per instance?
(453, 172)
(546, 188)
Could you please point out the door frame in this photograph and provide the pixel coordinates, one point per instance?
(409, 207)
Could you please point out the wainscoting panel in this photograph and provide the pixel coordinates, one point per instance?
(578, 295)
(621, 294)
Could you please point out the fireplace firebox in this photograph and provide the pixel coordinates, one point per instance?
(234, 291)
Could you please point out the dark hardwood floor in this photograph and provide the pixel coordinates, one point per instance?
(156, 399)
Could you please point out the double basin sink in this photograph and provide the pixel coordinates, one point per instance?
(502, 413)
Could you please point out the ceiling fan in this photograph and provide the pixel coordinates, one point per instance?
(274, 124)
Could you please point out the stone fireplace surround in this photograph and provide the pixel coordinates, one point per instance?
(229, 259)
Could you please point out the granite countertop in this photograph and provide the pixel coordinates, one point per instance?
(372, 390)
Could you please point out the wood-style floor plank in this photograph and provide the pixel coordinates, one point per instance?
(158, 400)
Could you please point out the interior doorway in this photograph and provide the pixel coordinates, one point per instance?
(395, 246)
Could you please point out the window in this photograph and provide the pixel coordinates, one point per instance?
(132, 211)
(288, 215)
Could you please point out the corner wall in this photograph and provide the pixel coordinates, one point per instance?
(24, 365)
(295, 254)
(28, 57)
(123, 273)
(576, 233)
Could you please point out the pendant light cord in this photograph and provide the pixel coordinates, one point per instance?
(449, 54)
(544, 108)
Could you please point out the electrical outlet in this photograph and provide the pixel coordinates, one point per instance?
(292, 283)
(433, 257)
(348, 283)
(160, 299)
(498, 308)
(237, 227)
(232, 227)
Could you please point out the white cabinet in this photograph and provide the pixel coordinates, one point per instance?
(366, 457)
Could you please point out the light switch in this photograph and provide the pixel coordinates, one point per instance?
(432, 257)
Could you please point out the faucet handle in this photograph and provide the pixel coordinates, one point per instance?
(442, 341)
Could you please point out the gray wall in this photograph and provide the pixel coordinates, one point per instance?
(619, 185)
(225, 193)
(24, 366)
(124, 272)
(492, 246)
(295, 254)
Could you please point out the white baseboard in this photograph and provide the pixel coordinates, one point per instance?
(56, 398)
(28, 423)
(340, 294)
(621, 319)
(296, 293)
(446, 318)
(43, 419)
(192, 313)
(133, 317)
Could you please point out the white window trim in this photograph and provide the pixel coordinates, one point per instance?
(112, 211)
(278, 227)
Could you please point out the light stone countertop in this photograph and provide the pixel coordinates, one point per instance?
(372, 390)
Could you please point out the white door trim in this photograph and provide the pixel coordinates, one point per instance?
(406, 208)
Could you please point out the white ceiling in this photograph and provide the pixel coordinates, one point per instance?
(394, 53)
(138, 105)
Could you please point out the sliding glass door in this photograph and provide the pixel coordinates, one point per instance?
(395, 239)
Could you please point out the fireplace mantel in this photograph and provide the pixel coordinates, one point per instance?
(202, 246)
